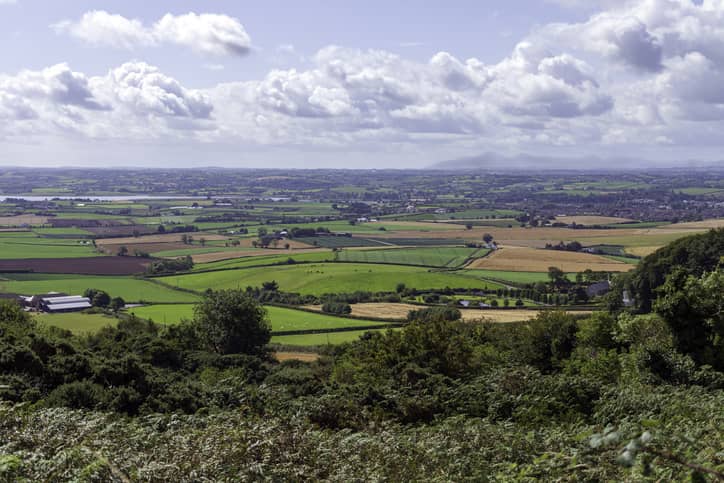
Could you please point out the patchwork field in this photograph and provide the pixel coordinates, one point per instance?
(328, 278)
(535, 260)
(130, 289)
(81, 266)
(261, 252)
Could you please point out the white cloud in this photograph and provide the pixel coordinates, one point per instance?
(638, 74)
(203, 33)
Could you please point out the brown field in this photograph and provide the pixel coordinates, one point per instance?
(296, 356)
(20, 220)
(79, 266)
(395, 311)
(591, 220)
(520, 259)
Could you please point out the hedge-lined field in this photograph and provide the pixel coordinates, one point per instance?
(321, 278)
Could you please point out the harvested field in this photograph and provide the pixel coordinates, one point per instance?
(21, 220)
(591, 220)
(534, 260)
(296, 356)
(395, 311)
(80, 266)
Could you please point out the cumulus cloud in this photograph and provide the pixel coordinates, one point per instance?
(203, 33)
(132, 101)
(638, 73)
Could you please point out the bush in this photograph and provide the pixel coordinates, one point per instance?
(336, 308)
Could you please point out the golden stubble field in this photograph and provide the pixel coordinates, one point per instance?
(398, 311)
(524, 259)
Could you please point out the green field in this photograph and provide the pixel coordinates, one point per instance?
(130, 289)
(77, 322)
(282, 319)
(431, 257)
(331, 338)
(327, 256)
(324, 278)
(14, 245)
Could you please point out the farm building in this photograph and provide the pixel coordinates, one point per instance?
(56, 302)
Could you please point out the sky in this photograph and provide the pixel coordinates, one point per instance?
(373, 84)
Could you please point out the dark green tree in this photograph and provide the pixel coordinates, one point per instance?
(231, 322)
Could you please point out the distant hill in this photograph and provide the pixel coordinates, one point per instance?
(492, 160)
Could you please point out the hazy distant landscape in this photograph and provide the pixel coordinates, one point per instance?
(362, 241)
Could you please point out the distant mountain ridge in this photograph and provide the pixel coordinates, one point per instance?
(491, 160)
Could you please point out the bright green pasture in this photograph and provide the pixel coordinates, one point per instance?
(77, 322)
(328, 278)
(282, 319)
(431, 257)
(332, 338)
(130, 289)
(30, 245)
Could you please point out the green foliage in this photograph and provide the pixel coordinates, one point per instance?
(693, 307)
(336, 308)
(693, 255)
(231, 322)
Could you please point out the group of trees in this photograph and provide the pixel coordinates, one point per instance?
(102, 299)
